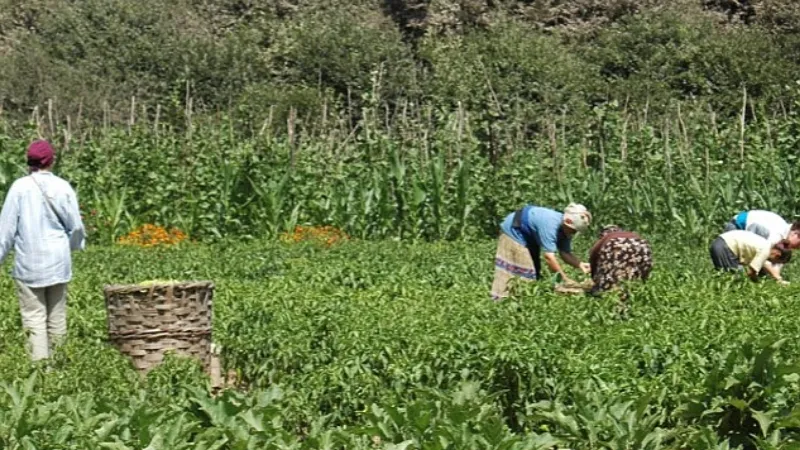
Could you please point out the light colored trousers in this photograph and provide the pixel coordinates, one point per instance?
(44, 316)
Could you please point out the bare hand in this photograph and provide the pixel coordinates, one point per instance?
(586, 268)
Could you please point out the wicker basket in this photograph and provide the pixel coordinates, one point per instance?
(146, 321)
(573, 288)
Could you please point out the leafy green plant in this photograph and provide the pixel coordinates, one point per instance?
(749, 398)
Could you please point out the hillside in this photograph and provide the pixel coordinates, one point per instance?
(256, 59)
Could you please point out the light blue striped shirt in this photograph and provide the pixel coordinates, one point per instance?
(41, 243)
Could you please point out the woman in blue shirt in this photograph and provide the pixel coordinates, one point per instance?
(533, 230)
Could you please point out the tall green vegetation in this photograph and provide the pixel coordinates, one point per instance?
(405, 119)
(684, 174)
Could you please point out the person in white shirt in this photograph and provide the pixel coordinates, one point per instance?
(41, 221)
(738, 250)
(768, 225)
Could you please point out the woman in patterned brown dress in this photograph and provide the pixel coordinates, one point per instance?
(618, 256)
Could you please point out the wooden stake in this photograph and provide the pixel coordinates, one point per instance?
(742, 124)
(714, 122)
(349, 108)
(50, 117)
(290, 126)
(386, 118)
(269, 121)
(584, 154)
(623, 147)
(552, 133)
(460, 127)
(80, 116)
(667, 155)
(36, 120)
(67, 134)
(105, 115)
(188, 110)
(158, 117)
(682, 125)
(132, 118)
(325, 116)
(707, 158)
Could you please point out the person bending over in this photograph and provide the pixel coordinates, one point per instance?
(740, 250)
(533, 230)
(618, 256)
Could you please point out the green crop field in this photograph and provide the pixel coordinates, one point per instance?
(391, 345)
(413, 127)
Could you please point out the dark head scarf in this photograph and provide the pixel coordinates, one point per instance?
(608, 229)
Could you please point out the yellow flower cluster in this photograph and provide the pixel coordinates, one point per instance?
(326, 235)
(149, 235)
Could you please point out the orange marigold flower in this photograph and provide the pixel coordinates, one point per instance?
(150, 235)
(325, 235)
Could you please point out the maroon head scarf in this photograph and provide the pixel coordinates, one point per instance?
(40, 154)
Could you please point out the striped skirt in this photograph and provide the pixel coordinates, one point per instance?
(512, 260)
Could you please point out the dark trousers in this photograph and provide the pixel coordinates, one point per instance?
(722, 256)
(535, 252)
(730, 226)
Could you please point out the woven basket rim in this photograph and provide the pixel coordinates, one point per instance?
(147, 287)
(129, 288)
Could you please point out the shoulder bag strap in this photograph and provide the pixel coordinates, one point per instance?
(50, 204)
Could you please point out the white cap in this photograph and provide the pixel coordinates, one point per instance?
(577, 217)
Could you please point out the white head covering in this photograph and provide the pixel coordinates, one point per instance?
(577, 217)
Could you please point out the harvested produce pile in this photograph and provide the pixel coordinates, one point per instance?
(396, 345)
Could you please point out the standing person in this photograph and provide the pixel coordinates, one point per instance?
(743, 250)
(617, 256)
(41, 220)
(528, 232)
